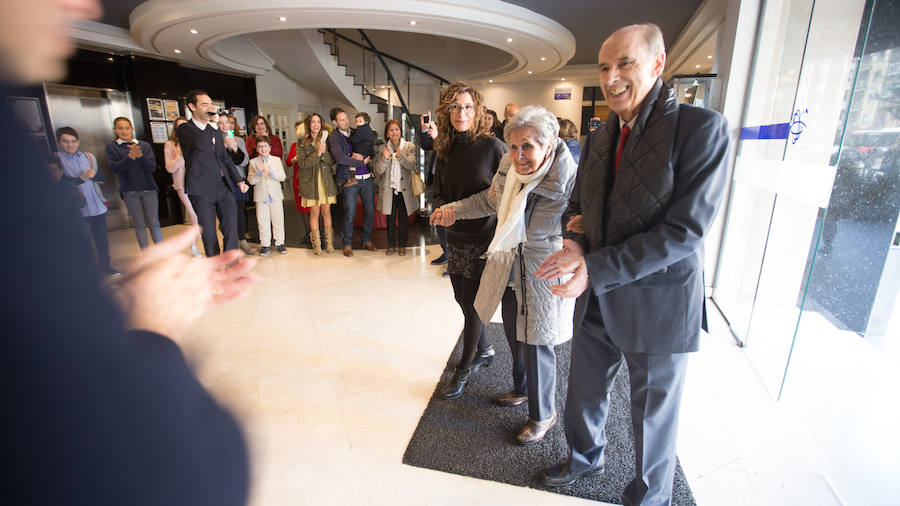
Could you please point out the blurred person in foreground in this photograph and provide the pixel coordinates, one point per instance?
(648, 188)
(101, 407)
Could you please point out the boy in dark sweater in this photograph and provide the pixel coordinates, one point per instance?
(363, 138)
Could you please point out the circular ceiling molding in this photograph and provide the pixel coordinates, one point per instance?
(537, 43)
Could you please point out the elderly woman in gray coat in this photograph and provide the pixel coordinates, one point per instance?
(529, 194)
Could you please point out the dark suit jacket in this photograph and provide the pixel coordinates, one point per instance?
(93, 414)
(207, 160)
(645, 227)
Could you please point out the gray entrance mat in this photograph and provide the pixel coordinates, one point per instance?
(472, 436)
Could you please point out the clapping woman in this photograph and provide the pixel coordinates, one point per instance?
(394, 163)
(317, 187)
(528, 195)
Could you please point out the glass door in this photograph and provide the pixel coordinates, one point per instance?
(809, 270)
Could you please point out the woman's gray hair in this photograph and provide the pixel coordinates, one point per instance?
(543, 121)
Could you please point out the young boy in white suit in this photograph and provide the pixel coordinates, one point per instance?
(266, 173)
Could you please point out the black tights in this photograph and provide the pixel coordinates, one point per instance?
(474, 338)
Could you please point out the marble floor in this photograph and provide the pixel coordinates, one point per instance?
(330, 362)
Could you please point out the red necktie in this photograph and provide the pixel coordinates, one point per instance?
(621, 147)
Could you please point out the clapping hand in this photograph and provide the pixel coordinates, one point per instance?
(134, 151)
(386, 151)
(165, 291)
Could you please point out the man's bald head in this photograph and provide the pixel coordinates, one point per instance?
(510, 110)
(650, 35)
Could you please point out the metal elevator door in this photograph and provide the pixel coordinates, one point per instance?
(91, 111)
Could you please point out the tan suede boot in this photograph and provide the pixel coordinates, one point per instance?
(316, 242)
(329, 240)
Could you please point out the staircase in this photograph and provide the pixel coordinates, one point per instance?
(363, 67)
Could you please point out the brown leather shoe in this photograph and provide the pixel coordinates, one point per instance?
(401, 251)
(533, 431)
(369, 246)
(511, 398)
(389, 251)
(348, 251)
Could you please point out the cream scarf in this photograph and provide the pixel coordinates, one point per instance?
(510, 230)
(395, 164)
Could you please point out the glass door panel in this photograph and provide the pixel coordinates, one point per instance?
(758, 168)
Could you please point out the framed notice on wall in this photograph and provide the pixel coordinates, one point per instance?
(172, 110)
(155, 109)
(562, 94)
(159, 132)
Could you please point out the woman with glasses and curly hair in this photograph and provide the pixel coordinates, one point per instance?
(467, 159)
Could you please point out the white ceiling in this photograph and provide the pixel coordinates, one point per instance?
(464, 39)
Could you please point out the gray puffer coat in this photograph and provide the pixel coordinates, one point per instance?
(543, 318)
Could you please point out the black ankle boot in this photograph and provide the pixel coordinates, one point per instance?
(457, 383)
(484, 358)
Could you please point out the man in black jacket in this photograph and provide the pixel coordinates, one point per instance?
(100, 406)
(210, 173)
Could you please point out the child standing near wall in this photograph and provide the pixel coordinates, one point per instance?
(266, 174)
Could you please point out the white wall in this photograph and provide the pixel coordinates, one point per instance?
(276, 88)
(497, 95)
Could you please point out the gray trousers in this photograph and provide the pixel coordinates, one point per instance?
(534, 365)
(656, 386)
(143, 207)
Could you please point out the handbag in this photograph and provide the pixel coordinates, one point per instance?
(418, 186)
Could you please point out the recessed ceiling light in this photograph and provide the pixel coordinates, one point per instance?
(709, 57)
(194, 31)
(696, 66)
(529, 72)
(282, 19)
(543, 59)
(177, 51)
(490, 80)
(509, 39)
(563, 79)
(413, 22)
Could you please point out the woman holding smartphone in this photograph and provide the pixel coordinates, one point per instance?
(467, 158)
